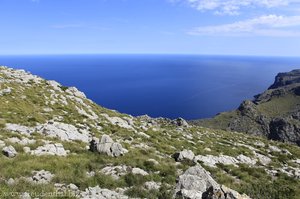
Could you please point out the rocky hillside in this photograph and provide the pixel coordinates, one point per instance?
(274, 114)
(56, 143)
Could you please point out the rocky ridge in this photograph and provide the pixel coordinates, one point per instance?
(54, 140)
(274, 114)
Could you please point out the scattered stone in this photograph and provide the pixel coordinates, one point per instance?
(23, 141)
(26, 149)
(259, 144)
(25, 195)
(10, 182)
(5, 91)
(97, 192)
(41, 177)
(138, 171)
(2, 144)
(50, 149)
(211, 161)
(115, 171)
(90, 174)
(274, 148)
(71, 189)
(75, 92)
(246, 160)
(151, 185)
(232, 194)
(156, 162)
(47, 110)
(144, 135)
(9, 151)
(184, 155)
(264, 160)
(124, 123)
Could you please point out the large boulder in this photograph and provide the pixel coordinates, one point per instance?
(107, 146)
(196, 183)
(9, 151)
(184, 155)
(180, 122)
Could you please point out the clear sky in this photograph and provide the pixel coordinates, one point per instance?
(235, 27)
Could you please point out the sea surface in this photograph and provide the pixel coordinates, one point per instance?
(188, 86)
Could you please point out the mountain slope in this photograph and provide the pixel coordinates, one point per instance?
(274, 114)
(56, 143)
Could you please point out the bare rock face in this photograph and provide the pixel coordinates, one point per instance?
(107, 146)
(283, 79)
(196, 183)
(9, 151)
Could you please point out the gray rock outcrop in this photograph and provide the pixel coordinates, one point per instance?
(184, 155)
(98, 193)
(107, 146)
(9, 151)
(49, 149)
(41, 177)
(196, 183)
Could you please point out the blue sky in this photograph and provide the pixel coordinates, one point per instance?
(231, 27)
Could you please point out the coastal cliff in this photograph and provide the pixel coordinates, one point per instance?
(274, 114)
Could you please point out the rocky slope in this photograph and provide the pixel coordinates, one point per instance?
(56, 143)
(274, 114)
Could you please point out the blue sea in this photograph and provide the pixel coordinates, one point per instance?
(188, 86)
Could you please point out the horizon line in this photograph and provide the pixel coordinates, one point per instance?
(174, 54)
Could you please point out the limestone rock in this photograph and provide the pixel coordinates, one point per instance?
(2, 144)
(50, 149)
(211, 161)
(246, 160)
(196, 183)
(232, 194)
(19, 129)
(23, 141)
(116, 171)
(184, 155)
(180, 122)
(10, 181)
(264, 160)
(98, 193)
(5, 91)
(151, 185)
(66, 132)
(41, 177)
(9, 151)
(138, 171)
(25, 195)
(121, 122)
(109, 147)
